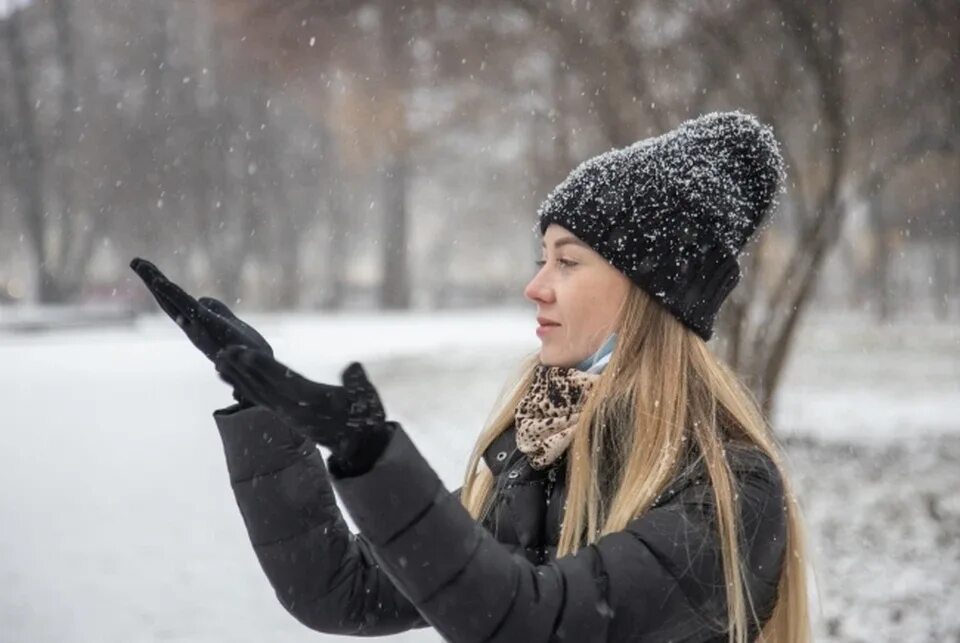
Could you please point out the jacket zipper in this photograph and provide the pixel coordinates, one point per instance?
(551, 479)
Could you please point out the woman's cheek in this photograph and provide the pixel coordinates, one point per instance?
(593, 294)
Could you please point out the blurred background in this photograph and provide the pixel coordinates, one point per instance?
(360, 179)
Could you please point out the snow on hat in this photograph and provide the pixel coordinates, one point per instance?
(673, 212)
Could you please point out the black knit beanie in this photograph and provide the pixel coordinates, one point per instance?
(673, 212)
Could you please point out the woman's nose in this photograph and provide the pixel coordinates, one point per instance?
(538, 289)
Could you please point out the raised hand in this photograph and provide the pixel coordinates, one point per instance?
(208, 323)
(348, 419)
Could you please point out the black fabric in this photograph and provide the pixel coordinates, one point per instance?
(349, 419)
(322, 574)
(673, 212)
(419, 559)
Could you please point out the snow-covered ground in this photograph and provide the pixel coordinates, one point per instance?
(117, 523)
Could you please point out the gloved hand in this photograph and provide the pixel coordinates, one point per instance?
(208, 323)
(349, 420)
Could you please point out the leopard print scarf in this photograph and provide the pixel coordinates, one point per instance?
(545, 417)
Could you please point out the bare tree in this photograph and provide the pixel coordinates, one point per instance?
(29, 163)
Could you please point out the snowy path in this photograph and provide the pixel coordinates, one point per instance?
(117, 523)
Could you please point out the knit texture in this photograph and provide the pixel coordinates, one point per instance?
(673, 212)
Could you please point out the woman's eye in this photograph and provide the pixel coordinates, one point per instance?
(566, 263)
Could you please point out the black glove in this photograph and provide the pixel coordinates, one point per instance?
(349, 420)
(208, 323)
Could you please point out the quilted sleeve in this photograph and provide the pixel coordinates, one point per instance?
(658, 579)
(323, 575)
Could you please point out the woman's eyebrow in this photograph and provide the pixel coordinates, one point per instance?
(564, 241)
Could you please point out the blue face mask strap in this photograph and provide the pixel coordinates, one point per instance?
(601, 352)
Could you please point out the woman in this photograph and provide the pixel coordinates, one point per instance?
(628, 489)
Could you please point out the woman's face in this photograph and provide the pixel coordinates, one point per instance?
(578, 296)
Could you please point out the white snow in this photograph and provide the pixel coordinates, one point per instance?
(117, 522)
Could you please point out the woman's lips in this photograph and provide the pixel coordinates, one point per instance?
(543, 329)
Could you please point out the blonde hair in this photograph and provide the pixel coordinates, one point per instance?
(661, 389)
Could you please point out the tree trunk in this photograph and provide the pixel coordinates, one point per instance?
(395, 290)
(28, 166)
(394, 177)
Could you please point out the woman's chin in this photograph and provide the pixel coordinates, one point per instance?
(547, 358)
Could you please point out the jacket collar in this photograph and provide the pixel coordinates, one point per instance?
(502, 451)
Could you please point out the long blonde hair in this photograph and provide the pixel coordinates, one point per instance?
(662, 388)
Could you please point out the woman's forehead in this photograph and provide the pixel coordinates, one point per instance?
(557, 236)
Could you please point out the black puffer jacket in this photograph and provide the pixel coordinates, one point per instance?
(419, 559)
